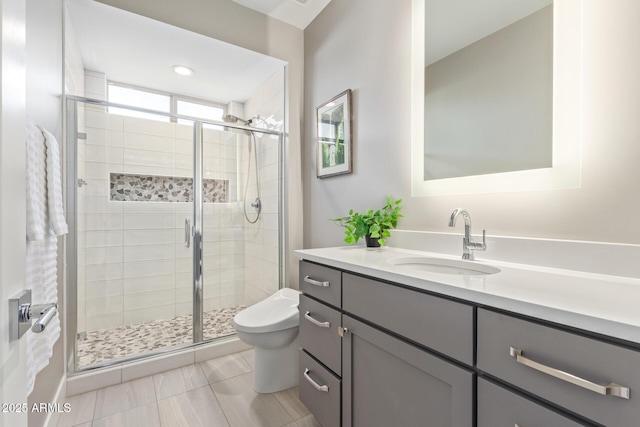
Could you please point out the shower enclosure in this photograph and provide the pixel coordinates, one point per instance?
(174, 229)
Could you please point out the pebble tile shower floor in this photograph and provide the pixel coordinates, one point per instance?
(125, 341)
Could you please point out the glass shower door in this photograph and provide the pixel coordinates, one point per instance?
(222, 229)
(166, 246)
(133, 274)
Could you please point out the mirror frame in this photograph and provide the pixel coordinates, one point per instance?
(567, 115)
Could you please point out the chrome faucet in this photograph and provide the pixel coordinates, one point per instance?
(468, 244)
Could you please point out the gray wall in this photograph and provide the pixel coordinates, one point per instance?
(44, 87)
(353, 45)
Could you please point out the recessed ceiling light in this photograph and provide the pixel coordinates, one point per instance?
(182, 70)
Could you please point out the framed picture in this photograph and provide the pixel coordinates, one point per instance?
(334, 136)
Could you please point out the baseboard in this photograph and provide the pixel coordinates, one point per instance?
(59, 398)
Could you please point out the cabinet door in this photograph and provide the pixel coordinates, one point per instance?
(387, 382)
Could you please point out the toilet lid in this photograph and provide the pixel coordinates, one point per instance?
(273, 314)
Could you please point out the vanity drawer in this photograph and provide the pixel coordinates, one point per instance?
(319, 332)
(320, 391)
(437, 323)
(549, 353)
(498, 407)
(322, 282)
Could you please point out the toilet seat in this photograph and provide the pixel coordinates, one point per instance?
(276, 313)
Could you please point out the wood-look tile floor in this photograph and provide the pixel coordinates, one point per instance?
(214, 393)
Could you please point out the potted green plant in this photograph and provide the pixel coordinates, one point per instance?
(373, 225)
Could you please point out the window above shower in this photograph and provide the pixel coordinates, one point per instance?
(165, 102)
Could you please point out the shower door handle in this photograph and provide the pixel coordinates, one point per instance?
(187, 233)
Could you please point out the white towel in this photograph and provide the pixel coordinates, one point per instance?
(41, 278)
(36, 182)
(54, 185)
(45, 221)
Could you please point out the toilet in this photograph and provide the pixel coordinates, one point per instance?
(271, 326)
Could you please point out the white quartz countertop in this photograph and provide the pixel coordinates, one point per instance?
(604, 304)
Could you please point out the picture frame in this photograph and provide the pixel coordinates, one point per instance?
(334, 137)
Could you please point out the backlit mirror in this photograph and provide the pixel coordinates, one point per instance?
(495, 95)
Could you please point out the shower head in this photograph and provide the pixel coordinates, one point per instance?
(230, 118)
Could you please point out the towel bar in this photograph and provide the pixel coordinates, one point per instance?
(21, 311)
(45, 312)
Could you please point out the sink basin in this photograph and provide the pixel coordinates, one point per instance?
(443, 266)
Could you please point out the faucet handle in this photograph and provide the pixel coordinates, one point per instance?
(478, 246)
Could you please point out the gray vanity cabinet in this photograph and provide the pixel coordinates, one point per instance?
(388, 382)
(412, 358)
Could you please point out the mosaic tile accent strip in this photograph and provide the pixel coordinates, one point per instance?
(150, 188)
(125, 341)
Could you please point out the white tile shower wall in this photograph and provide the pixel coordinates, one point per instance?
(132, 259)
(261, 260)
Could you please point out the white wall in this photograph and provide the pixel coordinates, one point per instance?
(12, 195)
(44, 88)
(352, 45)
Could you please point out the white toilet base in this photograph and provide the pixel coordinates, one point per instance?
(276, 369)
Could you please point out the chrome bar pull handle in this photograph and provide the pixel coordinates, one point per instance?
(187, 233)
(310, 281)
(307, 316)
(605, 390)
(322, 388)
